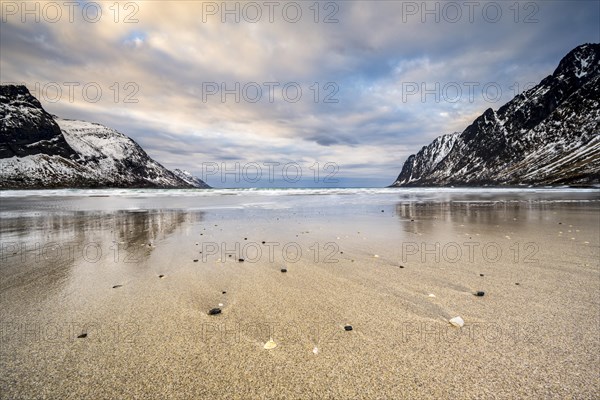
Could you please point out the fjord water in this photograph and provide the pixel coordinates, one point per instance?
(106, 293)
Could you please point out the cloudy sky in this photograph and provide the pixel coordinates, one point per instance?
(350, 88)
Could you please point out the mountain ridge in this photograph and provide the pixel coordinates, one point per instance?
(38, 150)
(548, 135)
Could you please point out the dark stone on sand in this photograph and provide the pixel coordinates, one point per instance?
(263, 242)
(400, 266)
(517, 283)
(245, 238)
(348, 328)
(480, 274)
(224, 292)
(480, 294)
(117, 286)
(161, 276)
(560, 223)
(214, 311)
(195, 260)
(381, 210)
(82, 336)
(283, 270)
(241, 260)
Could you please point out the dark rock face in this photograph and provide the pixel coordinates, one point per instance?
(549, 135)
(26, 128)
(38, 150)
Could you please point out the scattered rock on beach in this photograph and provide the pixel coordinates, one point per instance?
(117, 286)
(214, 311)
(283, 270)
(161, 276)
(224, 292)
(270, 345)
(457, 321)
(196, 260)
(82, 336)
(348, 328)
(480, 294)
(240, 259)
(480, 274)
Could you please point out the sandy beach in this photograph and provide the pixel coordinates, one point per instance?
(109, 297)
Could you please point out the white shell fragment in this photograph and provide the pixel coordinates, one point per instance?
(316, 350)
(270, 345)
(457, 321)
(431, 295)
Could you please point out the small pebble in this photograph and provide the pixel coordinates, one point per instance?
(283, 270)
(82, 336)
(117, 286)
(241, 260)
(480, 274)
(224, 292)
(480, 294)
(214, 311)
(348, 327)
(401, 266)
(195, 260)
(517, 283)
(263, 242)
(161, 276)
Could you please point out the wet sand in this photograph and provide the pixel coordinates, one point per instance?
(371, 264)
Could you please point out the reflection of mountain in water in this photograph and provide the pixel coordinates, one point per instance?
(426, 217)
(48, 246)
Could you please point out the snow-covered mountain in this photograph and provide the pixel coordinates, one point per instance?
(189, 178)
(549, 135)
(38, 150)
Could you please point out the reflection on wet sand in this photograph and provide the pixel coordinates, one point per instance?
(49, 247)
